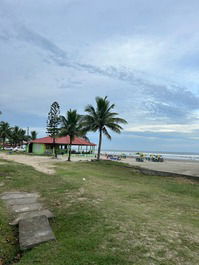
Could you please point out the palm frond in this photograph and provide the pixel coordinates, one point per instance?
(118, 120)
(111, 107)
(105, 132)
(114, 127)
(90, 109)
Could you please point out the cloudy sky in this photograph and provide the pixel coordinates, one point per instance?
(142, 54)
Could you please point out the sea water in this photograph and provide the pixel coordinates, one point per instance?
(165, 155)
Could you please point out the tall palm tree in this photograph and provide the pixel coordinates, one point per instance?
(4, 131)
(71, 125)
(101, 119)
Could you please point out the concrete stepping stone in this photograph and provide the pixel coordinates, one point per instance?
(33, 231)
(21, 201)
(26, 215)
(34, 227)
(18, 195)
(28, 207)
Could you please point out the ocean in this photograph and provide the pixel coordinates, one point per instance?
(165, 155)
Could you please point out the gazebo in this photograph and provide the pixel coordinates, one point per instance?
(45, 145)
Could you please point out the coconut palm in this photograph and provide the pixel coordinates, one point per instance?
(4, 131)
(71, 126)
(33, 135)
(17, 135)
(21, 136)
(101, 119)
(14, 136)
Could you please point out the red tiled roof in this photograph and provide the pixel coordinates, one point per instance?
(63, 140)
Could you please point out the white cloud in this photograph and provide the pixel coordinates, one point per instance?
(178, 128)
(137, 52)
(143, 55)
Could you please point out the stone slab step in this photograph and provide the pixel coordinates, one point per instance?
(26, 215)
(21, 201)
(28, 207)
(18, 195)
(33, 231)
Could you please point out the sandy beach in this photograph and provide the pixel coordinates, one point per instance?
(184, 167)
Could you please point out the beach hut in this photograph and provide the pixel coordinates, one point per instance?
(45, 145)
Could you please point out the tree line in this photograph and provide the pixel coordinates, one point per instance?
(14, 135)
(100, 118)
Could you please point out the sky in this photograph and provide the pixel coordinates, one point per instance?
(142, 54)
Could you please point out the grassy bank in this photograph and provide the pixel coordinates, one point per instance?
(107, 214)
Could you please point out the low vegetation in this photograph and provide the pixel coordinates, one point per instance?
(106, 214)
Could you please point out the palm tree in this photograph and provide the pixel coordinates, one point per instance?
(33, 135)
(102, 118)
(21, 136)
(18, 135)
(71, 125)
(14, 135)
(4, 131)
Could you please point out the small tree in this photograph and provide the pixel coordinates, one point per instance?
(53, 123)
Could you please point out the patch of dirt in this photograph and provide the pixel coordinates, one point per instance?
(40, 163)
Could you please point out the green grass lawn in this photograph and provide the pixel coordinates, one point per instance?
(114, 216)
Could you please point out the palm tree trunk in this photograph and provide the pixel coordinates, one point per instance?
(3, 143)
(69, 151)
(99, 145)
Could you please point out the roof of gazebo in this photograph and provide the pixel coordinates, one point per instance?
(63, 140)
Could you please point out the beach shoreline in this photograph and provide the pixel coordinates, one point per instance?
(184, 167)
(182, 156)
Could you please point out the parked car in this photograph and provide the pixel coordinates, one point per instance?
(19, 149)
(8, 148)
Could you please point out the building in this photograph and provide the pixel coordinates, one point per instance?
(45, 145)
